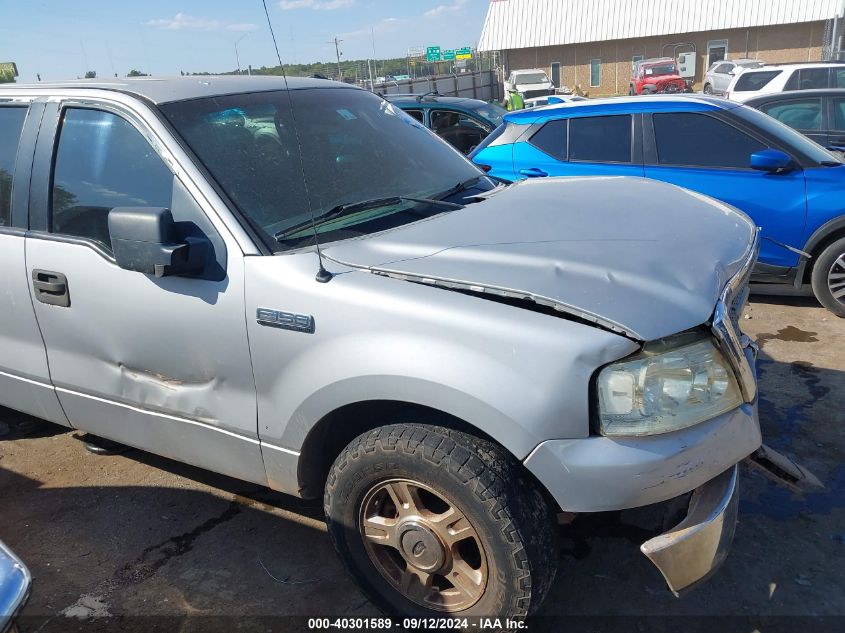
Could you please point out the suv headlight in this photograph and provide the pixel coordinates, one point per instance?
(670, 385)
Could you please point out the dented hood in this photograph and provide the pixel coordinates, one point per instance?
(640, 257)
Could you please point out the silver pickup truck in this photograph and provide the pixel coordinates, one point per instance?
(295, 284)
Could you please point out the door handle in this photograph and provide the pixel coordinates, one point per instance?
(534, 172)
(51, 288)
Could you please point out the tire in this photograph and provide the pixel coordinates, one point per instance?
(506, 564)
(828, 277)
(708, 89)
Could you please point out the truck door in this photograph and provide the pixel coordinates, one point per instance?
(160, 363)
(24, 376)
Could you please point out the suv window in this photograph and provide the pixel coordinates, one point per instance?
(753, 81)
(800, 114)
(838, 78)
(11, 124)
(699, 140)
(839, 114)
(415, 114)
(724, 69)
(551, 139)
(601, 139)
(103, 162)
(813, 78)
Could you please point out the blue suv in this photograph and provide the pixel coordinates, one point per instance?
(791, 187)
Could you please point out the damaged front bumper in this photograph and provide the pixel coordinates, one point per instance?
(694, 549)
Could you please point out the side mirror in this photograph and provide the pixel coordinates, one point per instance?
(771, 160)
(732, 72)
(145, 239)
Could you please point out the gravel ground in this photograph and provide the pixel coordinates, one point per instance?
(148, 541)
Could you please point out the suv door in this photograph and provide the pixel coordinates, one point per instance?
(160, 363)
(24, 375)
(582, 146)
(706, 153)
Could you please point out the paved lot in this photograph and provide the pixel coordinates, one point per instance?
(140, 535)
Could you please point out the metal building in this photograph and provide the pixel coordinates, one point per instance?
(594, 43)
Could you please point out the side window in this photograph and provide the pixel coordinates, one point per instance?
(11, 124)
(804, 114)
(724, 69)
(813, 78)
(551, 139)
(838, 78)
(415, 114)
(699, 140)
(839, 114)
(441, 119)
(753, 81)
(600, 139)
(103, 162)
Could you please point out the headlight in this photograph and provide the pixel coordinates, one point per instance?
(668, 386)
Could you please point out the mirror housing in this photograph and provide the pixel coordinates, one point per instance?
(145, 239)
(771, 161)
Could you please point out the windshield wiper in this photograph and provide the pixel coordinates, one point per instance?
(355, 207)
(461, 186)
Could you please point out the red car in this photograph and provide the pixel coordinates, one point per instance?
(652, 76)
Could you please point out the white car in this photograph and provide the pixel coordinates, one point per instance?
(539, 102)
(784, 77)
(720, 74)
(533, 82)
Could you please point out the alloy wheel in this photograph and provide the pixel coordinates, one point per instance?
(836, 279)
(423, 545)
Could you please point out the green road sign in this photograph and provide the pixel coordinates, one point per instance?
(8, 68)
(448, 55)
(463, 53)
(432, 54)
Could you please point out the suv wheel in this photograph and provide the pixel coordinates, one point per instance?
(829, 277)
(433, 522)
(708, 89)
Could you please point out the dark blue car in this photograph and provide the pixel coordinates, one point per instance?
(790, 186)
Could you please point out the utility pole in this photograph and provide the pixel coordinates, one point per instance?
(237, 57)
(336, 43)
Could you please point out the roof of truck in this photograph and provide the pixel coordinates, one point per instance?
(167, 89)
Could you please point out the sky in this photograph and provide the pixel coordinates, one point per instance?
(63, 39)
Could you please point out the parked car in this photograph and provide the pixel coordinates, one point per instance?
(720, 74)
(817, 114)
(539, 102)
(15, 583)
(457, 362)
(773, 78)
(790, 186)
(659, 75)
(462, 122)
(531, 82)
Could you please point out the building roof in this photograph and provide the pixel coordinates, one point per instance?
(163, 90)
(532, 23)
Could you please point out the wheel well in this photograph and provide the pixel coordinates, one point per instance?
(334, 431)
(828, 239)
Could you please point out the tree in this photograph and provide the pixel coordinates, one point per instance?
(90, 74)
(136, 73)
(6, 77)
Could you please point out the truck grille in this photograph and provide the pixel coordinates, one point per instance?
(530, 94)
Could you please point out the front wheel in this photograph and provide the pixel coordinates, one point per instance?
(708, 89)
(828, 277)
(433, 522)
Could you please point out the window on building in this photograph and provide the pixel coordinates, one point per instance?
(600, 139)
(595, 73)
(555, 68)
(800, 114)
(551, 138)
(11, 124)
(717, 50)
(103, 162)
(697, 140)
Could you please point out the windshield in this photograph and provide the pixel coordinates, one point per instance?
(792, 139)
(355, 147)
(492, 113)
(531, 78)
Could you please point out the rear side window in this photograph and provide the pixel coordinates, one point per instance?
(11, 124)
(809, 79)
(600, 139)
(799, 114)
(551, 139)
(698, 140)
(415, 114)
(103, 162)
(753, 81)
